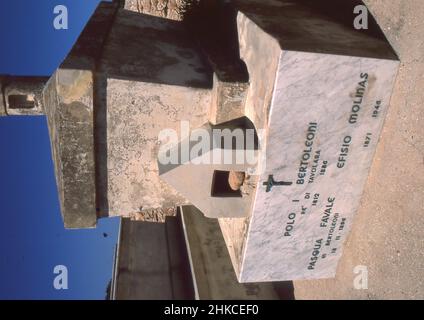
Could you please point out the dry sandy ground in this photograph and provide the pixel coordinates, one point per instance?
(388, 232)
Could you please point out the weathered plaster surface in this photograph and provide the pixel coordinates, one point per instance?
(68, 100)
(171, 9)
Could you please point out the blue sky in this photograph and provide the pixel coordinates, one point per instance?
(32, 237)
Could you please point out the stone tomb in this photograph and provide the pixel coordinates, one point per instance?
(328, 92)
(315, 90)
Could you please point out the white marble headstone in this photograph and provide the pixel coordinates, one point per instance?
(326, 116)
(321, 89)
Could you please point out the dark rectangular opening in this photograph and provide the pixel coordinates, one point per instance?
(18, 101)
(221, 186)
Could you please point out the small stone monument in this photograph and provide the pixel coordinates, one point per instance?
(309, 90)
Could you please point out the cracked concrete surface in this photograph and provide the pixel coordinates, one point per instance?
(387, 234)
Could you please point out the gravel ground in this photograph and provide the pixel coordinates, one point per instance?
(388, 231)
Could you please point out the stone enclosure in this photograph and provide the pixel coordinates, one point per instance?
(312, 88)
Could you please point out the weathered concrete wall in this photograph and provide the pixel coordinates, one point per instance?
(68, 100)
(228, 101)
(69, 104)
(152, 262)
(213, 24)
(213, 270)
(158, 81)
(154, 215)
(171, 9)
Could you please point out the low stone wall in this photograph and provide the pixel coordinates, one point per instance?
(171, 9)
(154, 215)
